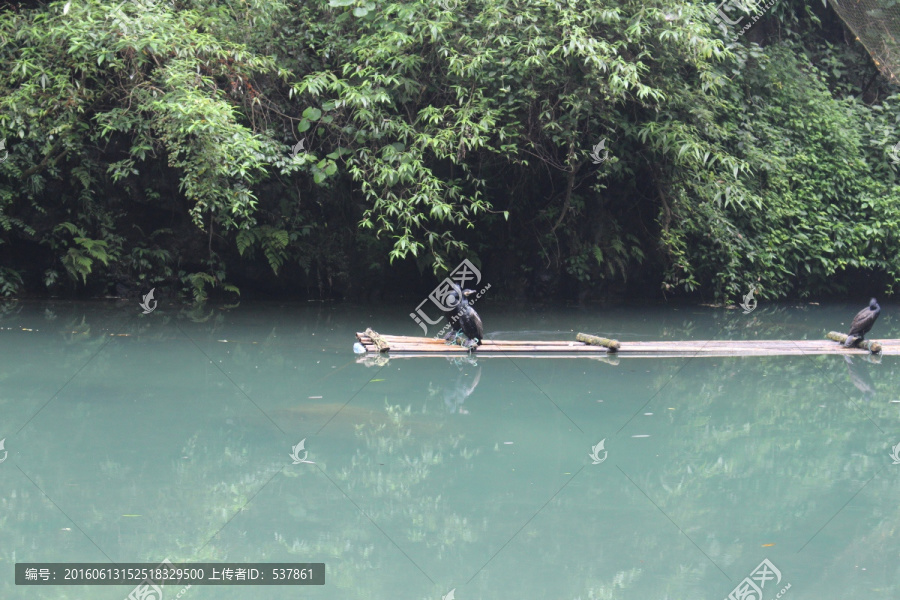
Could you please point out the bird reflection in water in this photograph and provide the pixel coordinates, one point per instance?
(461, 387)
(859, 377)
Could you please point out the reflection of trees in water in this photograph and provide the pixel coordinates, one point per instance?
(754, 447)
(776, 456)
(401, 475)
(199, 494)
(398, 475)
(405, 500)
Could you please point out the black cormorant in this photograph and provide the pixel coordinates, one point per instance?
(465, 319)
(469, 319)
(862, 323)
(452, 301)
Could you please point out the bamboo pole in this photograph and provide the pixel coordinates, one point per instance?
(441, 341)
(526, 347)
(595, 340)
(611, 359)
(376, 343)
(870, 345)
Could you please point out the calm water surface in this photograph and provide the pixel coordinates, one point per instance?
(133, 438)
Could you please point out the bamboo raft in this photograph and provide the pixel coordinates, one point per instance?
(401, 346)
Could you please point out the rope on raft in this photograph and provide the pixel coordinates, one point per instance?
(460, 339)
(377, 340)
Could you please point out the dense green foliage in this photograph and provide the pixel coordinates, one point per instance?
(150, 144)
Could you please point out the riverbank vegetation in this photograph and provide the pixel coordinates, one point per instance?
(347, 147)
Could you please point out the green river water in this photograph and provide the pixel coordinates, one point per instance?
(135, 438)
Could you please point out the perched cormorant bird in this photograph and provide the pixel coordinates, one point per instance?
(466, 319)
(471, 322)
(862, 323)
(452, 301)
